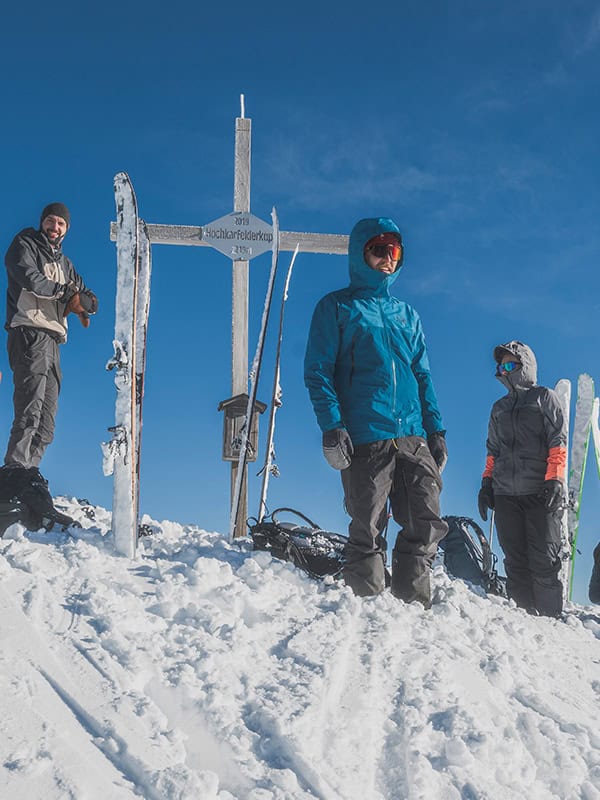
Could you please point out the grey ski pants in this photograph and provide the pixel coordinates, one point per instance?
(530, 536)
(403, 472)
(35, 362)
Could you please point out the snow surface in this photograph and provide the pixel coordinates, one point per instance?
(205, 670)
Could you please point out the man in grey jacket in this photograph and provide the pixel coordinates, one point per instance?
(43, 288)
(524, 480)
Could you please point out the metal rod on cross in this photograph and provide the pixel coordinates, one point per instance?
(241, 236)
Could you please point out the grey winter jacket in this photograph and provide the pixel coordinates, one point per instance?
(38, 277)
(527, 433)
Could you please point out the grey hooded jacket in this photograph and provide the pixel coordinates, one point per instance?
(527, 433)
(38, 276)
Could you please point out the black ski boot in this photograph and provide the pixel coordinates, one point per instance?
(25, 498)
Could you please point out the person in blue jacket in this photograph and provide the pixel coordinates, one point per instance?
(367, 372)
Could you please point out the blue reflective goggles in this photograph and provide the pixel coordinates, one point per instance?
(509, 366)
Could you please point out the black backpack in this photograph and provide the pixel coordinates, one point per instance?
(467, 555)
(466, 551)
(307, 546)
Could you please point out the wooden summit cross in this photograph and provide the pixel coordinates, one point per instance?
(211, 235)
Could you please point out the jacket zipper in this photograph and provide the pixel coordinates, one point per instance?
(513, 421)
(393, 366)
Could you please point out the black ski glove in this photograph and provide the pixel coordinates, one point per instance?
(485, 498)
(337, 448)
(437, 447)
(553, 494)
(89, 301)
(75, 306)
(69, 291)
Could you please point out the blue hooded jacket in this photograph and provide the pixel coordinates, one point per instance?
(366, 366)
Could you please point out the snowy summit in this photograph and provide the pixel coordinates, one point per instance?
(206, 670)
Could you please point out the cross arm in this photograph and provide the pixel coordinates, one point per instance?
(191, 235)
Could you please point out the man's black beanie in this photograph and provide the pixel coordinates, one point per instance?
(58, 210)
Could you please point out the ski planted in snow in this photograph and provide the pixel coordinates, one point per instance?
(563, 390)
(120, 453)
(578, 457)
(596, 431)
(142, 309)
(254, 378)
(270, 467)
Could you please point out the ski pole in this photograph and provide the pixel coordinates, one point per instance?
(492, 515)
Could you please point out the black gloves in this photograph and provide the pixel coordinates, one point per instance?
(89, 301)
(69, 290)
(337, 448)
(485, 499)
(82, 303)
(553, 494)
(437, 447)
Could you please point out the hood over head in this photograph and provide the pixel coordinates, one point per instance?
(361, 275)
(524, 377)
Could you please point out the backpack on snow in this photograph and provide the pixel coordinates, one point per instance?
(466, 551)
(317, 552)
(467, 555)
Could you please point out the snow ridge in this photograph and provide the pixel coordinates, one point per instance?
(205, 670)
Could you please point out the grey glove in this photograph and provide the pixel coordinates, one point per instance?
(337, 448)
(553, 494)
(437, 447)
(485, 498)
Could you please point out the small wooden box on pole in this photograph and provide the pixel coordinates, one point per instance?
(233, 421)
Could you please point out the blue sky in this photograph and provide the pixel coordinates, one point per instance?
(474, 125)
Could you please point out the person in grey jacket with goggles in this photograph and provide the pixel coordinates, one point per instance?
(524, 478)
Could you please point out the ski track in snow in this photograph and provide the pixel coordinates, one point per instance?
(205, 670)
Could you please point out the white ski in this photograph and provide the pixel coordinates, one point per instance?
(596, 431)
(578, 457)
(120, 452)
(254, 378)
(563, 390)
(270, 467)
(142, 309)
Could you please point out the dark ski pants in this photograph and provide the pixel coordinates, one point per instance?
(35, 362)
(531, 537)
(403, 472)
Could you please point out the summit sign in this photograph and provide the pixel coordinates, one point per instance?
(239, 235)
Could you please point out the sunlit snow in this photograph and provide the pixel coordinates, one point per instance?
(205, 670)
